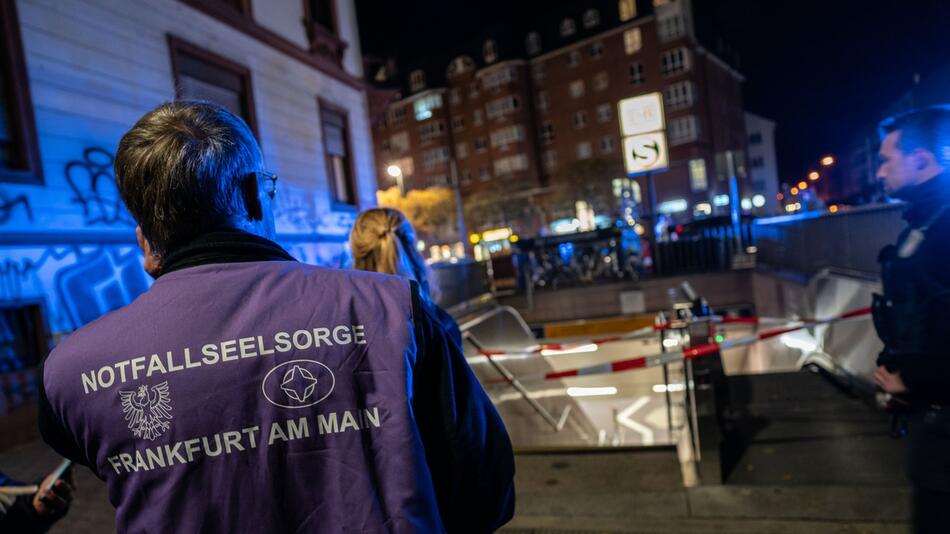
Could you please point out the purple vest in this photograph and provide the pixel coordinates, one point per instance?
(252, 397)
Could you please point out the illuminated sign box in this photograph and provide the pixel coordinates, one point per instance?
(645, 152)
(644, 139)
(641, 114)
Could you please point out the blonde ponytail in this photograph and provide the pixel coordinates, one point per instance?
(384, 241)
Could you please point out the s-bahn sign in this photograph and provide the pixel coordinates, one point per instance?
(644, 136)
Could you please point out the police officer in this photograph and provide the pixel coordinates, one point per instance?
(246, 392)
(913, 316)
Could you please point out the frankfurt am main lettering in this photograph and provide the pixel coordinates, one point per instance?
(214, 353)
(245, 439)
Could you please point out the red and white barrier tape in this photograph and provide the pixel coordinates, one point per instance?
(688, 353)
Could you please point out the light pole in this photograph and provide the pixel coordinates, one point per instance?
(395, 172)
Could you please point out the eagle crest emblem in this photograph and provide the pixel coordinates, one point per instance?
(147, 410)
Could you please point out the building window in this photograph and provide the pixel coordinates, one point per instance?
(603, 113)
(417, 80)
(19, 150)
(568, 28)
(424, 106)
(583, 150)
(461, 150)
(627, 9)
(460, 65)
(455, 96)
(549, 160)
(498, 108)
(458, 123)
(669, 28)
(596, 49)
(637, 75)
(576, 88)
(484, 174)
(490, 51)
(397, 116)
(532, 43)
(543, 100)
(683, 130)
(466, 177)
(757, 162)
(755, 138)
(336, 149)
(510, 164)
(481, 145)
(537, 71)
(317, 12)
(201, 75)
(632, 41)
(547, 133)
(399, 142)
(573, 58)
(607, 145)
(473, 90)
(503, 137)
(580, 119)
(600, 81)
(679, 95)
(591, 18)
(674, 61)
(697, 175)
(498, 77)
(434, 157)
(477, 119)
(431, 130)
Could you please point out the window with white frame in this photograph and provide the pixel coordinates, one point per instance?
(434, 157)
(537, 71)
(679, 95)
(477, 118)
(490, 51)
(573, 58)
(503, 137)
(484, 174)
(603, 113)
(466, 178)
(580, 119)
(510, 164)
(399, 142)
(627, 9)
(568, 28)
(500, 107)
(591, 18)
(417, 80)
(461, 150)
(671, 27)
(431, 130)
(674, 61)
(458, 123)
(424, 106)
(632, 41)
(637, 74)
(498, 77)
(397, 116)
(583, 150)
(607, 145)
(532, 43)
(576, 88)
(597, 49)
(455, 96)
(481, 145)
(697, 175)
(600, 81)
(473, 90)
(683, 130)
(543, 101)
(547, 132)
(549, 160)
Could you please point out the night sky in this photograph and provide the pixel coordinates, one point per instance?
(822, 69)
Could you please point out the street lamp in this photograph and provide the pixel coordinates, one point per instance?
(827, 161)
(395, 172)
(813, 175)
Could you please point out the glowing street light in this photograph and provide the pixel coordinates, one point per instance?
(794, 191)
(827, 161)
(395, 172)
(813, 175)
(803, 185)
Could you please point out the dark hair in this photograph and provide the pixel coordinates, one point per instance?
(181, 169)
(927, 128)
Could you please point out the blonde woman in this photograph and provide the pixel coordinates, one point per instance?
(384, 241)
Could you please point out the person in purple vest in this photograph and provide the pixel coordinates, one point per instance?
(247, 392)
(384, 241)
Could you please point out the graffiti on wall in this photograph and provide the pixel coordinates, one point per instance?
(8, 207)
(93, 185)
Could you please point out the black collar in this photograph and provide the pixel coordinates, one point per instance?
(232, 246)
(925, 199)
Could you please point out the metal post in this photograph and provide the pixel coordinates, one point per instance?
(735, 209)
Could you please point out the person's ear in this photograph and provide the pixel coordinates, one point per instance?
(153, 262)
(921, 159)
(250, 192)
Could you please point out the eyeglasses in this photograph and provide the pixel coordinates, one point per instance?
(270, 185)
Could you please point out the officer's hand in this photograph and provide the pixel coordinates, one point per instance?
(54, 501)
(889, 382)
